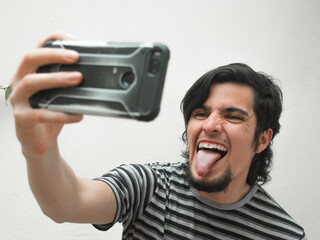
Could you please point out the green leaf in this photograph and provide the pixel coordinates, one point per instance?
(7, 93)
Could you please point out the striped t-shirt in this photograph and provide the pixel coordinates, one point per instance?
(155, 201)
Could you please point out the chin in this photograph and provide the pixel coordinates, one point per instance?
(205, 184)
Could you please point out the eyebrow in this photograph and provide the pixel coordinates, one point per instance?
(228, 110)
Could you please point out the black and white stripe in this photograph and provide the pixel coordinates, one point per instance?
(155, 201)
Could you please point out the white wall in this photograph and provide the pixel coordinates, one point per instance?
(281, 38)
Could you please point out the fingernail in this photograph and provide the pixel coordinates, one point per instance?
(73, 77)
(71, 55)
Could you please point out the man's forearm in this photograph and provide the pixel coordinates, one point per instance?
(54, 184)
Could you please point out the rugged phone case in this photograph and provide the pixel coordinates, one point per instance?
(119, 79)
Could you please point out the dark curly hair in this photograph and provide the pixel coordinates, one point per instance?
(267, 107)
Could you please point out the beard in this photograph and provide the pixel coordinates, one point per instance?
(220, 184)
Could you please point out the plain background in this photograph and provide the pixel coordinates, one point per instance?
(278, 37)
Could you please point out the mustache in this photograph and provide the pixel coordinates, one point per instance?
(213, 137)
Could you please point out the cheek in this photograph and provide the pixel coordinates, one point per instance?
(190, 141)
(241, 139)
(192, 133)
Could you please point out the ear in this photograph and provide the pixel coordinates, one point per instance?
(264, 140)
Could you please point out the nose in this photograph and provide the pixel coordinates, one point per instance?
(213, 123)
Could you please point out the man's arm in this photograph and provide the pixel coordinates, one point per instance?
(61, 195)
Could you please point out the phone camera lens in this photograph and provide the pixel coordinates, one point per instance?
(127, 79)
(155, 63)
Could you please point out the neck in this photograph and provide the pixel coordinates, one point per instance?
(234, 193)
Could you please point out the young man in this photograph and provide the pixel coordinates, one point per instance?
(231, 116)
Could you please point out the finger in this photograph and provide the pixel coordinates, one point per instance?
(30, 116)
(33, 83)
(44, 56)
(57, 36)
(49, 116)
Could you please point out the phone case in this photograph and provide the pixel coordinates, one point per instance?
(119, 79)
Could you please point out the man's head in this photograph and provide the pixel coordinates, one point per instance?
(216, 90)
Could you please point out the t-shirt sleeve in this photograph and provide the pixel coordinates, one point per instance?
(133, 186)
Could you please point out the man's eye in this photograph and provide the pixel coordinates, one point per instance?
(200, 115)
(234, 118)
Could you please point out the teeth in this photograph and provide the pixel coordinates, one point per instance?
(213, 146)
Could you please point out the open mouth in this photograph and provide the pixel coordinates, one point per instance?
(222, 150)
(208, 154)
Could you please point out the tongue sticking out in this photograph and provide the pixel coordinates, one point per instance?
(205, 159)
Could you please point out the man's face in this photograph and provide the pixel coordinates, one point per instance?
(221, 138)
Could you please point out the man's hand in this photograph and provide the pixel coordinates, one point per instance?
(37, 129)
(60, 193)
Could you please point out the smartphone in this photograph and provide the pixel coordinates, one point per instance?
(119, 79)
